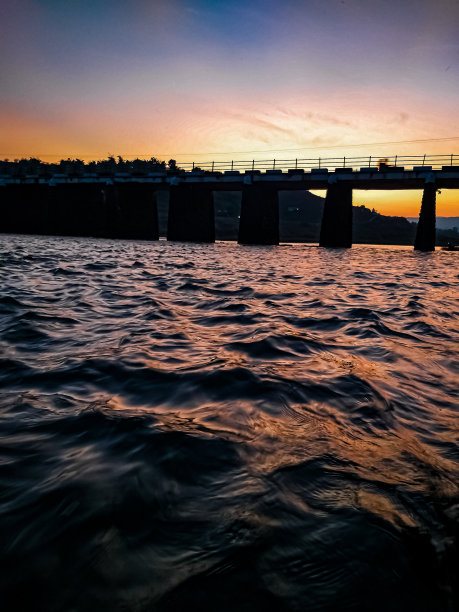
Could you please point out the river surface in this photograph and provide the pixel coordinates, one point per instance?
(219, 427)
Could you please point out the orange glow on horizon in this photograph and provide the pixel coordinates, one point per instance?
(407, 203)
(403, 203)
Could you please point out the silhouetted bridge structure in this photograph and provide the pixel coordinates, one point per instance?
(124, 206)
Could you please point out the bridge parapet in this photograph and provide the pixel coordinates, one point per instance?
(365, 177)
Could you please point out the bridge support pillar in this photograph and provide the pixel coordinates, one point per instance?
(191, 213)
(336, 228)
(77, 209)
(425, 231)
(24, 208)
(259, 222)
(135, 210)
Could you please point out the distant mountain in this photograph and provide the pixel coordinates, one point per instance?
(300, 217)
(443, 223)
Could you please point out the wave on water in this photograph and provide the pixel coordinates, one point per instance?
(217, 427)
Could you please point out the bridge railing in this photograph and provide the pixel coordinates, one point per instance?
(408, 162)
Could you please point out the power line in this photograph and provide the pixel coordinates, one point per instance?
(348, 146)
(367, 144)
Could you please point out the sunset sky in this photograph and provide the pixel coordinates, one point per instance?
(222, 79)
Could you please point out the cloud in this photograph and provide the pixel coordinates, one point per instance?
(314, 117)
(252, 120)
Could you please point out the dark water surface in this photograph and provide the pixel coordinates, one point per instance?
(218, 427)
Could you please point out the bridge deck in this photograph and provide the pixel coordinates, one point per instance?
(366, 178)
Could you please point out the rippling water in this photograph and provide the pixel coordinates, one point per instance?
(218, 427)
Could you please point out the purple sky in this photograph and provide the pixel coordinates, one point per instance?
(176, 77)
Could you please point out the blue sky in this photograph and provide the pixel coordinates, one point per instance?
(195, 76)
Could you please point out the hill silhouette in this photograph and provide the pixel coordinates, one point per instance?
(300, 216)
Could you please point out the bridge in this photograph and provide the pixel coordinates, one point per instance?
(120, 205)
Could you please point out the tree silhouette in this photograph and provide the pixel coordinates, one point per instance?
(77, 167)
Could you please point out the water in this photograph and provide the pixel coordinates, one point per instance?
(218, 427)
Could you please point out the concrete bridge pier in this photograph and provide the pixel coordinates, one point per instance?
(336, 228)
(425, 232)
(24, 208)
(191, 213)
(76, 210)
(135, 210)
(259, 222)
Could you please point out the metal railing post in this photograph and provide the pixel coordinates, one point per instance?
(404, 160)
